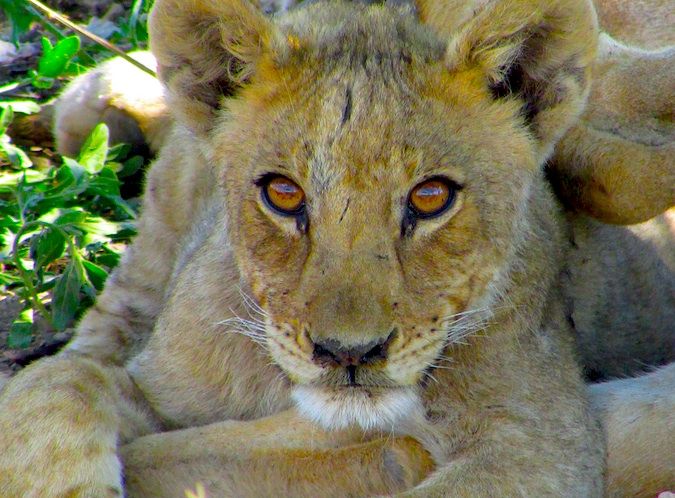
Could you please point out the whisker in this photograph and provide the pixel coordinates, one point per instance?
(460, 326)
(428, 374)
(250, 304)
(256, 339)
(441, 367)
(254, 329)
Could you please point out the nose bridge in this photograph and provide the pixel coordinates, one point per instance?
(349, 300)
(354, 224)
(351, 247)
(348, 286)
(352, 314)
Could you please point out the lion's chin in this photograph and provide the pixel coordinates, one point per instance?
(386, 409)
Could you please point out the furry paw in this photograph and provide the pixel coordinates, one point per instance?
(58, 433)
(119, 94)
(407, 463)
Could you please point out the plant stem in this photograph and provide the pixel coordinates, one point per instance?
(25, 276)
(23, 273)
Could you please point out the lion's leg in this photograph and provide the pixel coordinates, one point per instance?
(645, 23)
(512, 463)
(61, 421)
(281, 455)
(62, 418)
(638, 416)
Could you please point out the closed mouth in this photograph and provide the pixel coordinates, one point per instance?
(354, 378)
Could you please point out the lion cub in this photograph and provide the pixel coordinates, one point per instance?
(346, 278)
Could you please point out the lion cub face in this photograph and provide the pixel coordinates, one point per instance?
(373, 199)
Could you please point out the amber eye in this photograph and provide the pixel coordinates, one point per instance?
(431, 197)
(283, 195)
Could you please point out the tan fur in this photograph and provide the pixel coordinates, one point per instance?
(640, 428)
(626, 136)
(205, 329)
(128, 100)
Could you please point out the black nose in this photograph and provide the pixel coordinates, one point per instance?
(331, 352)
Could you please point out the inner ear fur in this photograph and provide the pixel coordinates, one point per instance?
(205, 49)
(539, 52)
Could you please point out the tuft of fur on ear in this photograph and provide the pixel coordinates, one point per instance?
(205, 50)
(539, 52)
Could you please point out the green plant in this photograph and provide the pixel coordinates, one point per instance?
(134, 28)
(61, 230)
(55, 62)
(64, 56)
(20, 16)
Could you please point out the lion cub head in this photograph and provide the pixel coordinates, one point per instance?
(380, 175)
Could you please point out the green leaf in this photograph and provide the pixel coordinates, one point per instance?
(75, 171)
(107, 257)
(96, 275)
(66, 297)
(131, 166)
(19, 16)
(16, 157)
(55, 59)
(100, 226)
(48, 245)
(21, 106)
(122, 205)
(9, 279)
(10, 180)
(72, 219)
(95, 149)
(21, 331)
(47, 46)
(118, 152)
(6, 118)
(105, 183)
(42, 82)
(47, 285)
(26, 194)
(68, 181)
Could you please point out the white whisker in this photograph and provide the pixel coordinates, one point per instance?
(253, 309)
(428, 374)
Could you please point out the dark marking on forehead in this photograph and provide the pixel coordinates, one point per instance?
(347, 112)
(344, 211)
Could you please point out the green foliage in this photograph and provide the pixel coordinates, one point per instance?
(55, 60)
(64, 56)
(135, 27)
(19, 15)
(62, 226)
(61, 230)
(14, 155)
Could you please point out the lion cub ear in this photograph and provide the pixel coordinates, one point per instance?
(205, 50)
(537, 51)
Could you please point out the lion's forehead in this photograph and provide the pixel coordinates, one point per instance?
(364, 133)
(343, 115)
(344, 30)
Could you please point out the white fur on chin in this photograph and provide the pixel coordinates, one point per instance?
(348, 407)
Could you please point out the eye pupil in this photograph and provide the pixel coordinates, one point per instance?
(284, 195)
